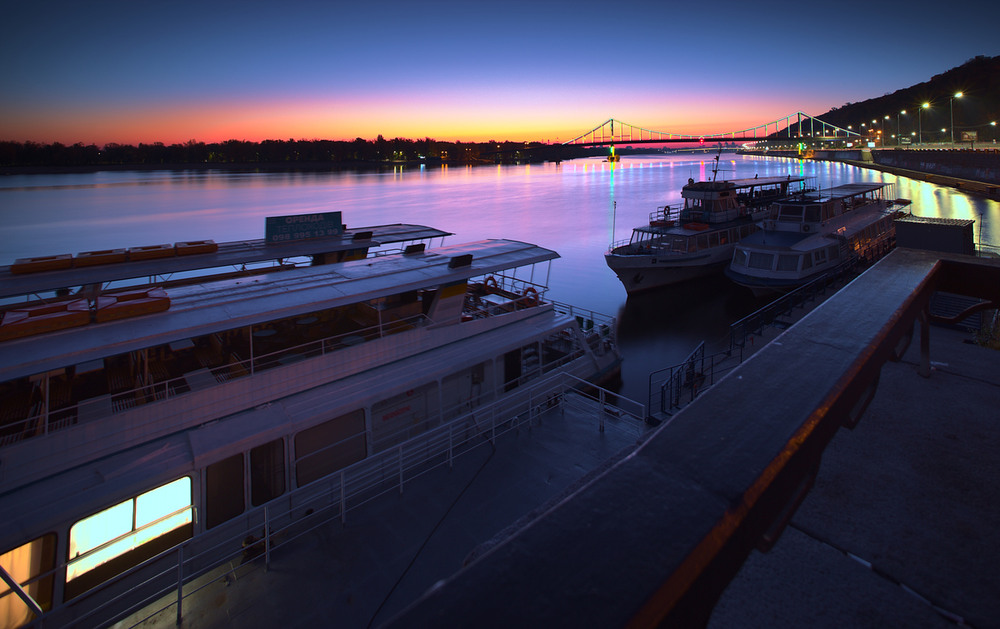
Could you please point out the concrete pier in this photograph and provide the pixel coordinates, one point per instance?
(900, 529)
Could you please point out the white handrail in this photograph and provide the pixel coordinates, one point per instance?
(306, 508)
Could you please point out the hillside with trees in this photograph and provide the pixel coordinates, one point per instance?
(977, 79)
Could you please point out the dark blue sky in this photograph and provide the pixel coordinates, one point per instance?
(172, 71)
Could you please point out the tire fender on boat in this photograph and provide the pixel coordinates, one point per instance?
(491, 284)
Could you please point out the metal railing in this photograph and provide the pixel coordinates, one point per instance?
(258, 531)
(40, 422)
(672, 387)
(753, 323)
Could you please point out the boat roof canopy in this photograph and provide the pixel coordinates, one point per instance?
(228, 254)
(837, 192)
(735, 184)
(213, 306)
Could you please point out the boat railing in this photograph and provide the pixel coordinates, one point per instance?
(41, 420)
(665, 215)
(672, 387)
(590, 320)
(753, 323)
(515, 292)
(172, 577)
(987, 251)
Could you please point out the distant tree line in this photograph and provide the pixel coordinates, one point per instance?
(269, 152)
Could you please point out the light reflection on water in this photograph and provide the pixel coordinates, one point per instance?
(577, 208)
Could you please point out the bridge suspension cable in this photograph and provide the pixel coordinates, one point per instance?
(613, 131)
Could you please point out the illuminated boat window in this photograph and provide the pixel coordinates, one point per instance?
(25, 564)
(104, 536)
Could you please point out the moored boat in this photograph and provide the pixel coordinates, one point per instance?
(168, 425)
(697, 238)
(809, 236)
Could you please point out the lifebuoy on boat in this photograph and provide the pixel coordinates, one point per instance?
(491, 284)
(530, 297)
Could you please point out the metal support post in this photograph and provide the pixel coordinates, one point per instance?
(180, 582)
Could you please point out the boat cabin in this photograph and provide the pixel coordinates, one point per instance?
(185, 422)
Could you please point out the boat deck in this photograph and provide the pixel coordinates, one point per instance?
(396, 547)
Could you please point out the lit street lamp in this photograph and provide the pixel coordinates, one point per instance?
(897, 125)
(951, 106)
(920, 130)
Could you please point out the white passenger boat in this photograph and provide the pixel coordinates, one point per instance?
(176, 416)
(696, 239)
(806, 237)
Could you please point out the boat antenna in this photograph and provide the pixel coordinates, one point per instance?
(715, 171)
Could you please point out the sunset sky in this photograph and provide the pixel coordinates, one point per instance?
(471, 70)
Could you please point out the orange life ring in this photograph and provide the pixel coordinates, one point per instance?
(491, 284)
(530, 297)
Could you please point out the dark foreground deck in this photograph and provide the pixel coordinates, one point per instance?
(890, 524)
(660, 536)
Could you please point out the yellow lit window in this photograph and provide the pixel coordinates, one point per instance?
(99, 538)
(25, 564)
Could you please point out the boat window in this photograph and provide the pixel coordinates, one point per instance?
(713, 239)
(788, 262)
(558, 348)
(827, 211)
(330, 446)
(26, 563)
(703, 242)
(267, 472)
(740, 258)
(833, 252)
(807, 262)
(791, 212)
(162, 515)
(812, 214)
(820, 256)
(760, 260)
(404, 415)
(465, 390)
(224, 490)
(521, 366)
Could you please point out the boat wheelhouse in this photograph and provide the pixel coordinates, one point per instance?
(806, 237)
(697, 238)
(174, 423)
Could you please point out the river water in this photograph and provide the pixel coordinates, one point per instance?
(577, 208)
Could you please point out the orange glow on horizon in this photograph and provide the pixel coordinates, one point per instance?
(176, 123)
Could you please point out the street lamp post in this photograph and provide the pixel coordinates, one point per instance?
(920, 129)
(886, 117)
(903, 111)
(951, 106)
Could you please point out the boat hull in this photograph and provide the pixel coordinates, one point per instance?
(639, 273)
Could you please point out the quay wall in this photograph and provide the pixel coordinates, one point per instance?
(981, 166)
